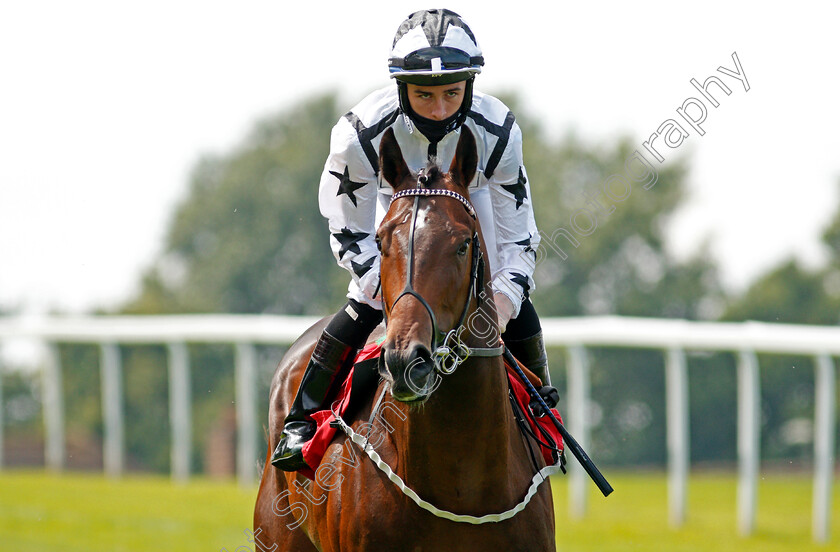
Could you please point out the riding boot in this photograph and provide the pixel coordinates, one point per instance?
(531, 353)
(330, 360)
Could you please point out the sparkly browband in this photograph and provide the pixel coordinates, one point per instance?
(433, 192)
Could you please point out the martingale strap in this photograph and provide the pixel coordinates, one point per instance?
(363, 444)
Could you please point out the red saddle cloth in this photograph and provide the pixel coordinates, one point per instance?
(314, 450)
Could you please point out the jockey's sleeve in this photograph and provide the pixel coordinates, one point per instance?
(347, 197)
(517, 237)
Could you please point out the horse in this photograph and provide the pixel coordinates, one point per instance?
(446, 430)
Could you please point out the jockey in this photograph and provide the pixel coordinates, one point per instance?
(434, 60)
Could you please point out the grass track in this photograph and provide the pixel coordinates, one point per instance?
(635, 516)
(86, 512)
(89, 513)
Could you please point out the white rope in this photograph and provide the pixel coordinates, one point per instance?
(538, 478)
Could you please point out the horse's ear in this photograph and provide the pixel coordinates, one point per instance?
(391, 162)
(462, 168)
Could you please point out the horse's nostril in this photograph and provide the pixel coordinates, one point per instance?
(393, 358)
(411, 371)
(412, 363)
(419, 363)
(421, 352)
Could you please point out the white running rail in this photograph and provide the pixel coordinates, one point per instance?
(672, 337)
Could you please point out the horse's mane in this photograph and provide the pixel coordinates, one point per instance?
(432, 169)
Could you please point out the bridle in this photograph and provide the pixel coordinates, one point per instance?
(447, 349)
(450, 348)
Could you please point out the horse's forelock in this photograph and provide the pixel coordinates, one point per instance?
(432, 171)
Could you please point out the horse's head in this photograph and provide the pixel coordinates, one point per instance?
(430, 262)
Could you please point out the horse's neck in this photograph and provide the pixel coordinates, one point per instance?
(465, 428)
(467, 423)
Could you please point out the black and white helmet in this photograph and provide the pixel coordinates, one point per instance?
(434, 47)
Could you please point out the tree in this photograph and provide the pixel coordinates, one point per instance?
(791, 294)
(787, 294)
(249, 238)
(603, 252)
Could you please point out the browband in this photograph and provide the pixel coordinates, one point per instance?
(435, 192)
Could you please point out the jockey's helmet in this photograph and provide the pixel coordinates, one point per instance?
(434, 47)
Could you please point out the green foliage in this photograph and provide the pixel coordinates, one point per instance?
(713, 405)
(21, 406)
(82, 405)
(147, 428)
(831, 238)
(249, 238)
(606, 256)
(615, 257)
(628, 385)
(787, 294)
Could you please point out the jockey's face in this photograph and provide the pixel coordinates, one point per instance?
(436, 102)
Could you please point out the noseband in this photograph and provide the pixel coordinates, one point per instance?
(443, 345)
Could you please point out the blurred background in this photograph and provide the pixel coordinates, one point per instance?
(163, 157)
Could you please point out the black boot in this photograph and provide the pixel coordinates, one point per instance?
(330, 362)
(531, 353)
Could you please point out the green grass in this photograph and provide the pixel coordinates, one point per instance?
(87, 512)
(635, 516)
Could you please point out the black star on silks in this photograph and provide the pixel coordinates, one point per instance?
(518, 189)
(361, 269)
(347, 186)
(521, 280)
(349, 241)
(526, 243)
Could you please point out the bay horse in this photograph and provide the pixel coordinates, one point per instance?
(452, 439)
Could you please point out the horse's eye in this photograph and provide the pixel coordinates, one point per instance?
(378, 241)
(464, 247)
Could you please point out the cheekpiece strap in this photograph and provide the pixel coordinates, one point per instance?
(422, 192)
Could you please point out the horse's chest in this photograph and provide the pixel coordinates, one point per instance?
(368, 513)
(361, 510)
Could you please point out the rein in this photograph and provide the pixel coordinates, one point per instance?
(448, 352)
(447, 349)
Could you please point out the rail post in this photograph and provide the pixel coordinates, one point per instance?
(53, 409)
(112, 409)
(676, 397)
(749, 426)
(246, 419)
(578, 425)
(179, 410)
(825, 427)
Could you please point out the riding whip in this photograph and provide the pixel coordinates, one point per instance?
(577, 450)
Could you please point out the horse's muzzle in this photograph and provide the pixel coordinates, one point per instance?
(412, 372)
